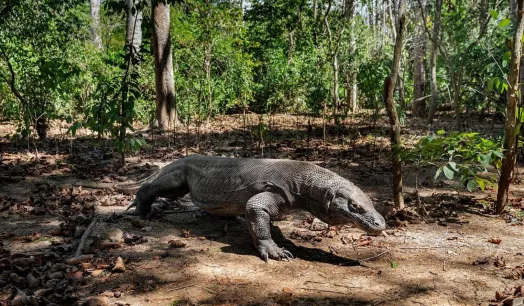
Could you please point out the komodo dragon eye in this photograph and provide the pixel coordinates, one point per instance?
(355, 208)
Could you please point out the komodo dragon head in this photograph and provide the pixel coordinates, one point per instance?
(352, 205)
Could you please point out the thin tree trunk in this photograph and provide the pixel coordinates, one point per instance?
(419, 66)
(351, 75)
(209, 93)
(164, 81)
(389, 87)
(433, 63)
(95, 23)
(134, 26)
(510, 139)
(401, 92)
(456, 80)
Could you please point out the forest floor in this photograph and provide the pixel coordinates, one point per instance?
(460, 254)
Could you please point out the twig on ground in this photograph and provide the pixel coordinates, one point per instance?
(86, 234)
(182, 287)
(323, 290)
(373, 257)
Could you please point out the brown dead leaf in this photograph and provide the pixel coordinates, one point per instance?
(177, 243)
(79, 259)
(97, 301)
(97, 272)
(364, 242)
(495, 240)
(516, 273)
(499, 295)
(119, 265)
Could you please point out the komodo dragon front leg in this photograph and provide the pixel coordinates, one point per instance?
(259, 211)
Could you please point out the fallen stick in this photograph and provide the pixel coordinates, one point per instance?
(323, 290)
(183, 287)
(373, 257)
(86, 234)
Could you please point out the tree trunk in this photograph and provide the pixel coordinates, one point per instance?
(134, 26)
(351, 75)
(419, 66)
(335, 86)
(433, 63)
(209, 93)
(164, 82)
(95, 23)
(510, 139)
(401, 92)
(389, 87)
(456, 80)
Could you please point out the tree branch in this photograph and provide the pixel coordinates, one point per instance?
(12, 81)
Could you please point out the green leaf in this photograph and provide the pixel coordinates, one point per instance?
(453, 165)
(448, 172)
(507, 56)
(394, 264)
(491, 83)
(494, 14)
(481, 183)
(504, 22)
(441, 132)
(472, 184)
(439, 171)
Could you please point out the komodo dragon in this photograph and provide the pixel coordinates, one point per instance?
(260, 189)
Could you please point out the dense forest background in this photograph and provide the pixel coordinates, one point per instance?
(69, 59)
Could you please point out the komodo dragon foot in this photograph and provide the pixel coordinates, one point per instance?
(269, 249)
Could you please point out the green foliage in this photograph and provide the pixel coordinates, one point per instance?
(467, 156)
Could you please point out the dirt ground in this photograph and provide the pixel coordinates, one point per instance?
(460, 254)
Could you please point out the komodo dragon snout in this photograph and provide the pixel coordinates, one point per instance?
(351, 205)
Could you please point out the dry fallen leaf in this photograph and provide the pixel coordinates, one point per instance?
(516, 273)
(79, 259)
(177, 243)
(119, 265)
(364, 242)
(495, 240)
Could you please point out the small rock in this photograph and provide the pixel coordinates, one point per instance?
(97, 272)
(113, 234)
(117, 294)
(146, 229)
(518, 301)
(97, 301)
(317, 225)
(108, 294)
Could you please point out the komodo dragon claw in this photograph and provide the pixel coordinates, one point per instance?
(132, 205)
(287, 254)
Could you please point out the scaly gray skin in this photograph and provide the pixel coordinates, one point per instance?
(260, 189)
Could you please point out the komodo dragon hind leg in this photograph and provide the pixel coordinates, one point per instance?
(171, 186)
(259, 211)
